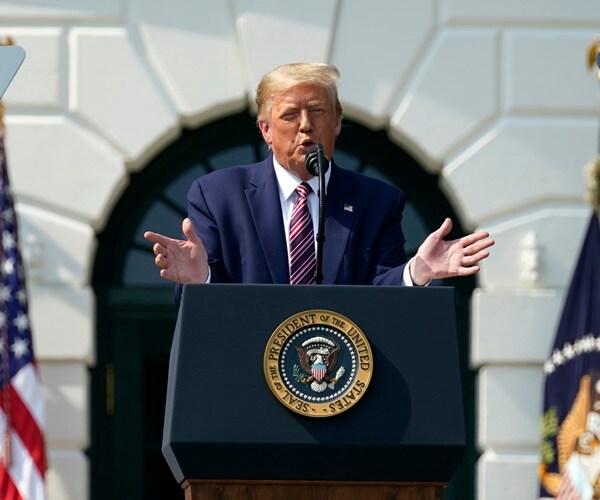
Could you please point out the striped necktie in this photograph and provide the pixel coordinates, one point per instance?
(302, 241)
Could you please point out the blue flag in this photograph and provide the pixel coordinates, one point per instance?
(570, 448)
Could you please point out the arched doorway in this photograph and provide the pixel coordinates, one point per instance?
(135, 309)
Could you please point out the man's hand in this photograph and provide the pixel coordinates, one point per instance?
(438, 259)
(182, 261)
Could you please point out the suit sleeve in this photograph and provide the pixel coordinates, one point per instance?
(206, 226)
(391, 256)
(207, 229)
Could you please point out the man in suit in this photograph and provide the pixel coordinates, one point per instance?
(240, 219)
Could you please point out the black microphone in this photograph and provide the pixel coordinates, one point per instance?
(317, 164)
(316, 160)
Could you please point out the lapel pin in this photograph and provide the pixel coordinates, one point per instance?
(348, 208)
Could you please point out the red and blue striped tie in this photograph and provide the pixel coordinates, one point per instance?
(302, 241)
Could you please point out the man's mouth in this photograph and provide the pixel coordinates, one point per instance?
(308, 145)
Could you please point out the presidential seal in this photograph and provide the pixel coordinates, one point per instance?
(318, 363)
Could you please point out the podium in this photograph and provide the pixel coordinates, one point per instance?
(226, 436)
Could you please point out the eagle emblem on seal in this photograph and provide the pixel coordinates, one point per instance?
(318, 358)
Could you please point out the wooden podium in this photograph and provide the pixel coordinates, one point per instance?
(310, 490)
(226, 436)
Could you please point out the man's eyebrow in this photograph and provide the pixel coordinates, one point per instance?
(287, 106)
(287, 109)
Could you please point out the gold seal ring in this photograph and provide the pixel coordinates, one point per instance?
(318, 363)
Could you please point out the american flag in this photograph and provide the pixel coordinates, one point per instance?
(22, 451)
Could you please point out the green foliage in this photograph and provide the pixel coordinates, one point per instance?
(547, 453)
(550, 423)
(549, 430)
(298, 375)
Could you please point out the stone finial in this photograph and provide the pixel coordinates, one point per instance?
(531, 262)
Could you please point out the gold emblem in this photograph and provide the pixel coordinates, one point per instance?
(318, 363)
(577, 444)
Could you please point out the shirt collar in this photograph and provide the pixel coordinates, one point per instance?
(288, 181)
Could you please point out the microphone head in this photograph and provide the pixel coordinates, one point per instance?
(315, 160)
(312, 161)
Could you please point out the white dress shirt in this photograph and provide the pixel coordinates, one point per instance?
(288, 183)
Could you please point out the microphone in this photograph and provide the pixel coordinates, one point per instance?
(317, 164)
(316, 161)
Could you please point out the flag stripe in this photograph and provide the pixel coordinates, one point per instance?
(8, 490)
(26, 427)
(27, 381)
(23, 471)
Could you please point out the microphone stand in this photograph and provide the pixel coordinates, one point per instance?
(318, 164)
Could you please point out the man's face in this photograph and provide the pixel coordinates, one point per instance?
(299, 119)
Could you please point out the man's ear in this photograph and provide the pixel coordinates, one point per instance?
(265, 130)
(338, 126)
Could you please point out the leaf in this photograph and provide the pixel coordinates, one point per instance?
(547, 452)
(550, 423)
(298, 375)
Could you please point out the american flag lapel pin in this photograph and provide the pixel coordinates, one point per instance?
(348, 208)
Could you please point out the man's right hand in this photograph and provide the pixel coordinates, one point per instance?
(182, 261)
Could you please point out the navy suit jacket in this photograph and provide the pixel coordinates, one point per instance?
(237, 213)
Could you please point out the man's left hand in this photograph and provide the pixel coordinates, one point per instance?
(438, 259)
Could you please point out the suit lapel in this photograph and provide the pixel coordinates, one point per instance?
(263, 200)
(341, 206)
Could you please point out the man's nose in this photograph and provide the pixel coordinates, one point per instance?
(305, 123)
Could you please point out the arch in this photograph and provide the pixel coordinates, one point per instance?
(123, 298)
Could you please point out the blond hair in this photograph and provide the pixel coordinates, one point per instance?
(287, 76)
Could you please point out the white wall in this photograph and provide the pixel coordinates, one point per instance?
(492, 95)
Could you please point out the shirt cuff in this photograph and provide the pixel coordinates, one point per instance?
(407, 278)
